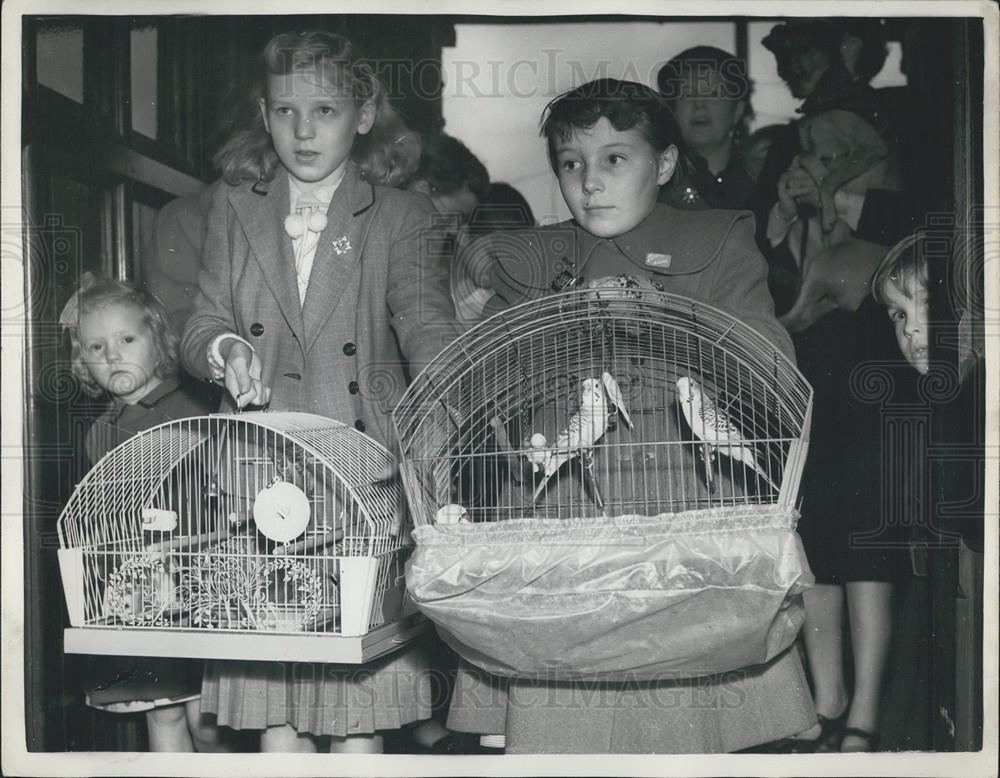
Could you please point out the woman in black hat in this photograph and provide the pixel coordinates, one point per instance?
(843, 528)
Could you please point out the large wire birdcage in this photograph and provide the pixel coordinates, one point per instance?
(582, 444)
(249, 536)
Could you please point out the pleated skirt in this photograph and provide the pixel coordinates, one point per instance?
(715, 715)
(320, 699)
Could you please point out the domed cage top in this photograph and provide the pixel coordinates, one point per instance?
(245, 536)
(604, 484)
(681, 407)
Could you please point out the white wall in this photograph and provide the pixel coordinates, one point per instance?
(499, 78)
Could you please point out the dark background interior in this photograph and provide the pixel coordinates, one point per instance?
(92, 185)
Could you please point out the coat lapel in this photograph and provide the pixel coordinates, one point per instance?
(263, 220)
(674, 242)
(339, 250)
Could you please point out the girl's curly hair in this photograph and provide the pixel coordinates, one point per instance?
(384, 155)
(97, 292)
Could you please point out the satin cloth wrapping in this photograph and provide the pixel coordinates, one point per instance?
(678, 595)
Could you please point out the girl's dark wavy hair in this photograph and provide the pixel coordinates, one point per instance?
(626, 104)
(386, 155)
(674, 76)
(97, 292)
(736, 84)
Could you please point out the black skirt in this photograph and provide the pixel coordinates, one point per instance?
(858, 485)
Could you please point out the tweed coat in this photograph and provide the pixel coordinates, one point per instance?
(377, 308)
(707, 255)
(171, 259)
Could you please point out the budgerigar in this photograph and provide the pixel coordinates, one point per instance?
(451, 514)
(715, 429)
(587, 425)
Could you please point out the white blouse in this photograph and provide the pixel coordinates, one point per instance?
(304, 246)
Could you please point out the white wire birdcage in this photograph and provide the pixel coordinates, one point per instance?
(594, 420)
(245, 536)
(467, 423)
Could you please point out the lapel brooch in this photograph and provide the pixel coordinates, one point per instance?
(690, 195)
(341, 245)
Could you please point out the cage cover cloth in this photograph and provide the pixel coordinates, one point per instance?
(632, 598)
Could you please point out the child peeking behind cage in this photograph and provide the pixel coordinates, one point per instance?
(900, 284)
(122, 347)
(612, 145)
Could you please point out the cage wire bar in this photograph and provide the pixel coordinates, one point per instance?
(604, 484)
(478, 424)
(235, 527)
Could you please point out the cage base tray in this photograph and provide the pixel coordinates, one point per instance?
(251, 646)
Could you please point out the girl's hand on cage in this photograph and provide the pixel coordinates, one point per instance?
(243, 377)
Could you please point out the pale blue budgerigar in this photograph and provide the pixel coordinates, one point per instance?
(715, 429)
(587, 425)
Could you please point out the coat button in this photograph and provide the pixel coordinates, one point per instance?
(256, 329)
(359, 425)
(350, 349)
(353, 387)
